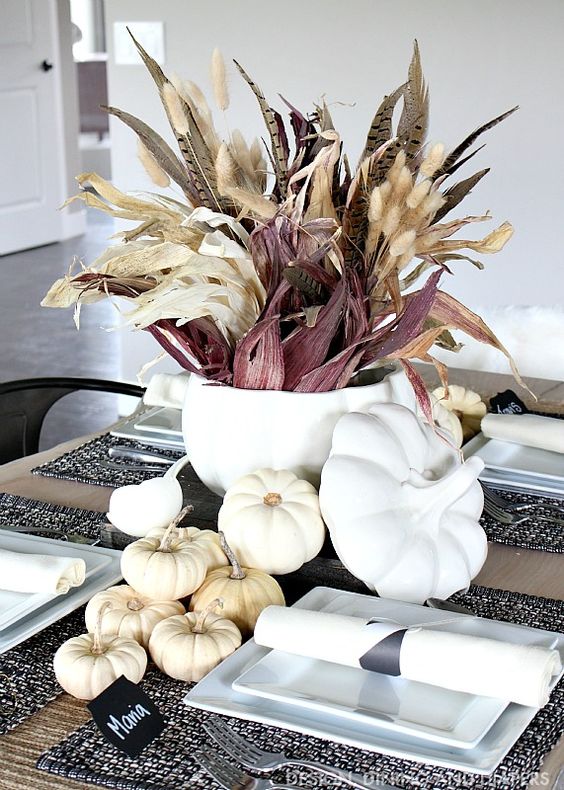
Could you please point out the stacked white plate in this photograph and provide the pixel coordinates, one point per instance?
(156, 427)
(375, 712)
(24, 614)
(517, 467)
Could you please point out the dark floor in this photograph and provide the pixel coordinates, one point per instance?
(36, 341)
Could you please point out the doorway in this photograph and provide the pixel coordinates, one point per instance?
(90, 55)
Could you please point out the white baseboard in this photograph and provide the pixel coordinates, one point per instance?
(73, 223)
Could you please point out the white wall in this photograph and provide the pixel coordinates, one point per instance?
(480, 58)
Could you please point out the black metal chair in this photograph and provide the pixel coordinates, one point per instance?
(25, 403)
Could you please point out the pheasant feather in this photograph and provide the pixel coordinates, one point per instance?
(380, 131)
(276, 132)
(457, 152)
(414, 120)
(458, 192)
(160, 150)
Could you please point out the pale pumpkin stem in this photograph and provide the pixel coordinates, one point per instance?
(200, 620)
(237, 572)
(97, 643)
(272, 499)
(135, 605)
(167, 537)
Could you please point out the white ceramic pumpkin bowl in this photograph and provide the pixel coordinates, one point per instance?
(230, 432)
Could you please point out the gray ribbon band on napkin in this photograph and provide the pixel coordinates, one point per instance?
(384, 656)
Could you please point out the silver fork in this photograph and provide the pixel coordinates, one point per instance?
(252, 757)
(510, 517)
(232, 778)
(130, 467)
(497, 500)
(140, 456)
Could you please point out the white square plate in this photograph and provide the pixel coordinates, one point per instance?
(149, 427)
(15, 605)
(215, 692)
(161, 420)
(103, 566)
(455, 719)
(514, 465)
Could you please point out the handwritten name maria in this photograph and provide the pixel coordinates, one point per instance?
(126, 723)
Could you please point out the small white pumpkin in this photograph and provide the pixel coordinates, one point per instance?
(402, 510)
(448, 421)
(86, 665)
(465, 404)
(187, 647)
(166, 567)
(131, 615)
(245, 592)
(206, 538)
(272, 521)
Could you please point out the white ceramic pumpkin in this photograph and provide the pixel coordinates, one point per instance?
(86, 665)
(401, 508)
(166, 567)
(245, 592)
(136, 509)
(187, 647)
(131, 615)
(272, 521)
(152, 504)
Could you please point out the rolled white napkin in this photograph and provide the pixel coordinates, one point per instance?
(461, 662)
(40, 573)
(167, 390)
(532, 430)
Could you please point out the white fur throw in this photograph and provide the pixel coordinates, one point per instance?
(532, 334)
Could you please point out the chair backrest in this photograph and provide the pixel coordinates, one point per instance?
(25, 403)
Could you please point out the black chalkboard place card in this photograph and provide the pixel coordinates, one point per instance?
(508, 403)
(127, 716)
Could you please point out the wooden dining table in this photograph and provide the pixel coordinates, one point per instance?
(516, 569)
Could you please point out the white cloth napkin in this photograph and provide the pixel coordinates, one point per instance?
(40, 573)
(461, 662)
(532, 430)
(167, 390)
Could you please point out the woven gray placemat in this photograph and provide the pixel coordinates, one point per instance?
(81, 464)
(23, 512)
(532, 533)
(27, 681)
(167, 764)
